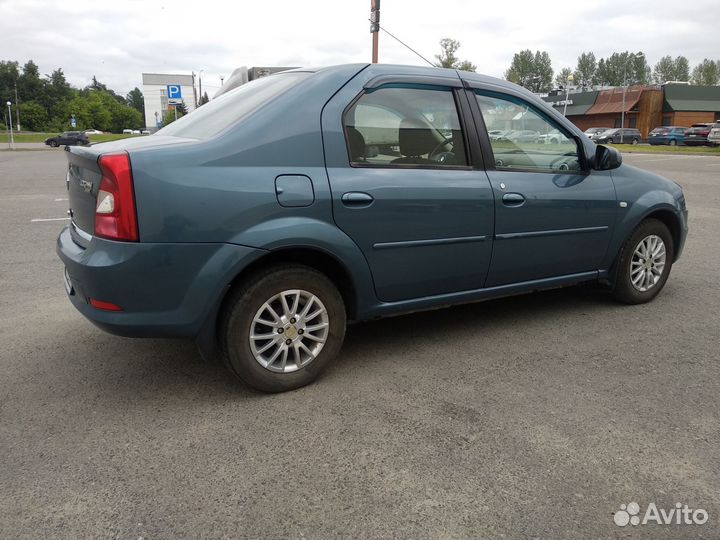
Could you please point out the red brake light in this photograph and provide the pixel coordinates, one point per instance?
(105, 306)
(115, 214)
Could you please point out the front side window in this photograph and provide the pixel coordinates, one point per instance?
(529, 141)
(397, 126)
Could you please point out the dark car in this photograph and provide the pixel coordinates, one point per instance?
(669, 135)
(619, 135)
(68, 138)
(382, 194)
(697, 135)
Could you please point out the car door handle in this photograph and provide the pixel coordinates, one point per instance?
(357, 199)
(513, 199)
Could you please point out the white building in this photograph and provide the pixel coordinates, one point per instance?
(156, 98)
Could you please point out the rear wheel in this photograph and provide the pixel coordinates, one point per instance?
(672, 142)
(644, 263)
(282, 328)
(635, 141)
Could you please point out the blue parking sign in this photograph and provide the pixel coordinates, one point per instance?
(174, 91)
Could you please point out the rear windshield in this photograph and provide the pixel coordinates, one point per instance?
(224, 111)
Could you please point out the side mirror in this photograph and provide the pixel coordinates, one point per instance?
(606, 158)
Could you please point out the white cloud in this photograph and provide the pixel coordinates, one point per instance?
(117, 41)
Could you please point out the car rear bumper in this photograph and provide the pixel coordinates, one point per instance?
(164, 289)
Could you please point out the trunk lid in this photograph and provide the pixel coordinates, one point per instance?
(84, 176)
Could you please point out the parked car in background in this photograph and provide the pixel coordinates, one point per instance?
(697, 135)
(382, 194)
(145, 132)
(595, 131)
(496, 134)
(619, 135)
(714, 135)
(670, 135)
(520, 135)
(127, 131)
(552, 137)
(93, 132)
(68, 138)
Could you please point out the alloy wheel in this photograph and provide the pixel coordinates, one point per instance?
(289, 331)
(647, 263)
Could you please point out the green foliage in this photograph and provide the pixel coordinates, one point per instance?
(707, 72)
(33, 116)
(561, 79)
(447, 58)
(668, 69)
(48, 102)
(136, 100)
(170, 115)
(204, 99)
(623, 68)
(586, 69)
(533, 71)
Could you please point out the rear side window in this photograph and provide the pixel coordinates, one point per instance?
(226, 110)
(398, 126)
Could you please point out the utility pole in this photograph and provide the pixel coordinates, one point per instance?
(375, 27)
(194, 91)
(17, 109)
(567, 92)
(200, 80)
(12, 140)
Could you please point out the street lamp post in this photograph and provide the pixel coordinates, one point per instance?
(11, 142)
(567, 92)
(622, 112)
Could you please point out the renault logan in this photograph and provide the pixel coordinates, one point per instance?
(264, 221)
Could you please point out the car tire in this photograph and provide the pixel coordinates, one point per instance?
(610, 141)
(634, 141)
(672, 142)
(54, 144)
(631, 266)
(250, 359)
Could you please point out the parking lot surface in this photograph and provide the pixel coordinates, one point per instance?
(535, 416)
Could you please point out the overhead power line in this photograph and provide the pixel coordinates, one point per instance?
(401, 42)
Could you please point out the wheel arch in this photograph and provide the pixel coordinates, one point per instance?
(310, 256)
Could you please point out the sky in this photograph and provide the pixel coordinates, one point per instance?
(118, 40)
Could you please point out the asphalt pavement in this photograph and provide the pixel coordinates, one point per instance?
(534, 416)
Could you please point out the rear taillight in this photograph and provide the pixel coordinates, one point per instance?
(115, 214)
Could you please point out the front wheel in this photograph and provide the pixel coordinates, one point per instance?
(644, 263)
(282, 328)
(672, 142)
(54, 144)
(610, 141)
(635, 141)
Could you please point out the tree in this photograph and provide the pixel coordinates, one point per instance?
(534, 72)
(586, 69)
(9, 74)
(204, 99)
(447, 58)
(623, 68)
(561, 79)
(30, 85)
(706, 72)
(136, 100)
(34, 116)
(668, 69)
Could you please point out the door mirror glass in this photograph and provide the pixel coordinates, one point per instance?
(522, 138)
(606, 158)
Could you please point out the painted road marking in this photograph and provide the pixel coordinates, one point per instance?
(49, 219)
(58, 200)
